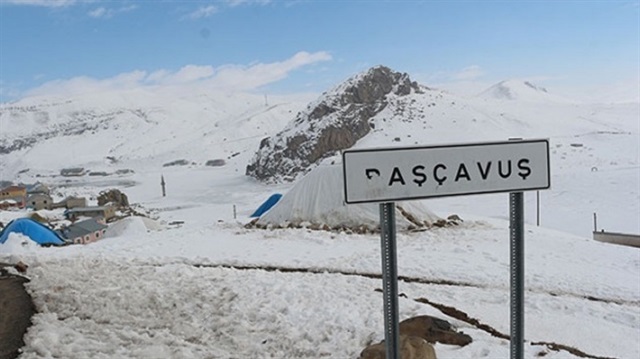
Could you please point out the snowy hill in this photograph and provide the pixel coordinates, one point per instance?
(519, 90)
(109, 130)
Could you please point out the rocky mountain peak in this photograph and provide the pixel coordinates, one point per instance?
(336, 121)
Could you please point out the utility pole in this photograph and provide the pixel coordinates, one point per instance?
(162, 183)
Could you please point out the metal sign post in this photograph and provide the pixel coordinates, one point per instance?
(385, 175)
(390, 279)
(516, 229)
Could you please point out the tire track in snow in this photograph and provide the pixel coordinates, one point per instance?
(447, 310)
(408, 279)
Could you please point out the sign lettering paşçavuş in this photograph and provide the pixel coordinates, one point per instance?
(382, 175)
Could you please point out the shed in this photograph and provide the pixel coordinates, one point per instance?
(107, 212)
(84, 232)
(40, 201)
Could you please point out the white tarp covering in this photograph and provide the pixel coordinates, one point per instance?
(318, 198)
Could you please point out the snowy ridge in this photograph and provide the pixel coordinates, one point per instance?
(150, 126)
(521, 90)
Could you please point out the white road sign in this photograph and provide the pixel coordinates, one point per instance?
(405, 173)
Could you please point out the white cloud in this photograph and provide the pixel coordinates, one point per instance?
(82, 84)
(99, 12)
(231, 77)
(187, 74)
(469, 73)
(202, 12)
(106, 13)
(234, 3)
(45, 3)
(257, 75)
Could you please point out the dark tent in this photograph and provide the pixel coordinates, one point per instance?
(32, 229)
(270, 202)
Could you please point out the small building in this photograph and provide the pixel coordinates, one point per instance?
(84, 232)
(107, 212)
(72, 172)
(75, 202)
(15, 193)
(6, 204)
(39, 201)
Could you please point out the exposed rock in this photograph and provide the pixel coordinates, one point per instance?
(433, 330)
(411, 347)
(113, 196)
(336, 121)
(21, 267)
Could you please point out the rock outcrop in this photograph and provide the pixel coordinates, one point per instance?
(336, 121)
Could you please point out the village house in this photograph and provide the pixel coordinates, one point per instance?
(14, 193)
(6, 204)
(71, 202)
(39, 201)
(84, 232)
(72, 172)
(107, 212)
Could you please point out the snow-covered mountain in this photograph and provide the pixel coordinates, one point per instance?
(381, 107)
(152, 127)
(517, 90)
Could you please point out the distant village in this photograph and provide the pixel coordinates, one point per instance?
(82, 223)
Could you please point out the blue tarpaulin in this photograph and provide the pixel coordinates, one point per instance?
(32, 229)
(270, 202)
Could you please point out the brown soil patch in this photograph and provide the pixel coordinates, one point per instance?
(16, 309)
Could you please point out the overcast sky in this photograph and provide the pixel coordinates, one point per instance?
(289, 46)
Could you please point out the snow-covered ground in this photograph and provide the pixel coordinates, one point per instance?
(174, 292)
(211, 288)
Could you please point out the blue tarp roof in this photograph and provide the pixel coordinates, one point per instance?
(270, 202)
(32, 229)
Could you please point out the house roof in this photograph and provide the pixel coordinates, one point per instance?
(81, 229)
(72, 170)
(14, 188)
(39, 195)
(86, 209)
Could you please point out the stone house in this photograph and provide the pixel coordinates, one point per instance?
(39, 201)
(83, 232)
(75, 202)
(107, 212)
